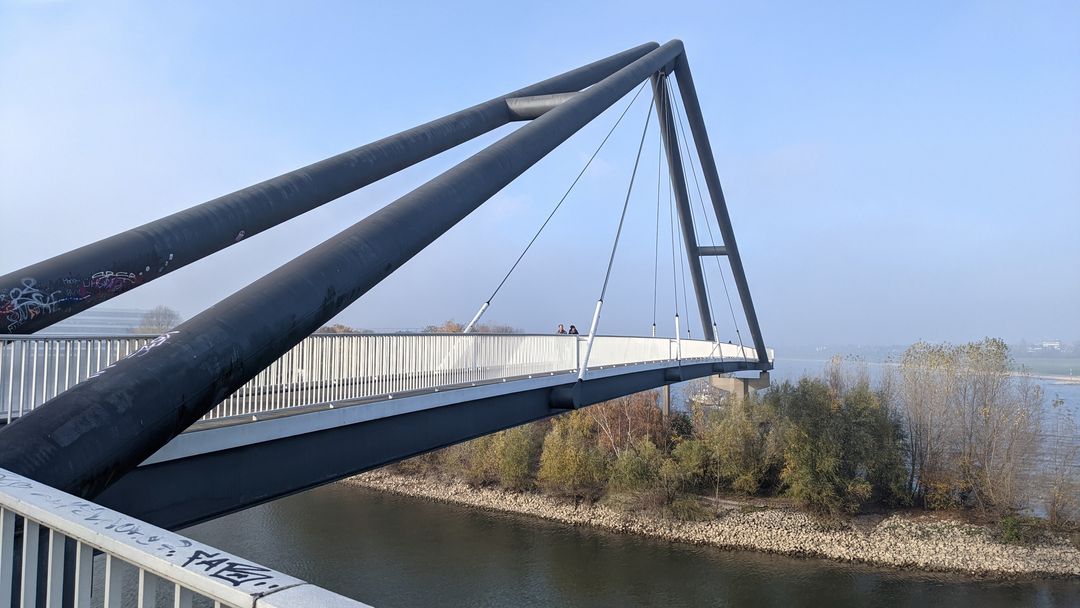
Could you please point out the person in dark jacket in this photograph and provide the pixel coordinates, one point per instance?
(573, 330)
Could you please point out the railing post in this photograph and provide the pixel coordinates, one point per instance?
(7, 554)
(589, 344)
(678, 340)
(54, 589)
(577, 352)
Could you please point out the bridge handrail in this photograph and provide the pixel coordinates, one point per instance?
(327, 368)
(119, 335)
(135, 556)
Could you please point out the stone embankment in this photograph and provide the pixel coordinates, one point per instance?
(919, 542)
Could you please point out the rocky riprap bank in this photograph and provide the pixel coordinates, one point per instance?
(922, 543)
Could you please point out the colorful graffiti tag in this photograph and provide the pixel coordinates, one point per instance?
(29, 300)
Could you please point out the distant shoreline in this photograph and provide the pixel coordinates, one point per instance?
(923, 543)
(1059, 379)
(1015, 373)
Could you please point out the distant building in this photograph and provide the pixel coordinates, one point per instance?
(1047, 346)
(1051, 344)
(98, 322)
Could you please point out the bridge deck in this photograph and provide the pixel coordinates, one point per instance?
(342, 367)
(336, 405)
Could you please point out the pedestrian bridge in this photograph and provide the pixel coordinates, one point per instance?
(390, 396)
(109, 442)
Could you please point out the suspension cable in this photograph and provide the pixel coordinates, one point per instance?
(656, 245)
(614, 248)
(712, 240)
(566, 194)
(705, 215)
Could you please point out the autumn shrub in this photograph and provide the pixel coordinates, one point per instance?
(620, 422)
(653, 479)
(571, 464)
(972, 425)
(691, 457)
(741, 445)
(517, 453)
(474, 461)
(636, 468)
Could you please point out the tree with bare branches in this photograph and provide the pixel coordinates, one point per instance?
(158, 320)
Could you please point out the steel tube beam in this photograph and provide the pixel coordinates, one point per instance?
(682, 200)
(528, 108)
(86, 438)
(688, 93)
(39, 295)
(706, 250)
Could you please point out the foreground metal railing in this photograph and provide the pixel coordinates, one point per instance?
(341, 367)
(59, 550)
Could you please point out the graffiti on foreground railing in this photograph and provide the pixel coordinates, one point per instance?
(72, 515)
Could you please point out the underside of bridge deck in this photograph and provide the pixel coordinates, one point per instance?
(183, 491)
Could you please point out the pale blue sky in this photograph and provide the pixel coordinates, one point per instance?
(894, 172)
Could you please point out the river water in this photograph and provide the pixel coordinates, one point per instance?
(392, 551)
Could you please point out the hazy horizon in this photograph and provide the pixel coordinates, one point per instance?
(891, 175)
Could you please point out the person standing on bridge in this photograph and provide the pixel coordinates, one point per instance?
(561, 330)
(573, 329)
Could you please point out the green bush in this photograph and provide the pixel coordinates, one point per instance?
(517, 452)
(652, 478)
(840, 448)
(1021, 530)
(571, 465)
(680, 426)
(1009, 529)
(692, 459)
(636, 468)
(741, 442)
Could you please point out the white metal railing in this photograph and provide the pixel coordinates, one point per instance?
(50, 540)
(34, 369)
(343, 367)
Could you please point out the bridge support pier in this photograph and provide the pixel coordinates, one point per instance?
(739, 388)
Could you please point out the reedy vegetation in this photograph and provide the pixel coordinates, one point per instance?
(950, 427)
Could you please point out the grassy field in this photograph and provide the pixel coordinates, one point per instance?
(1053, 366)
